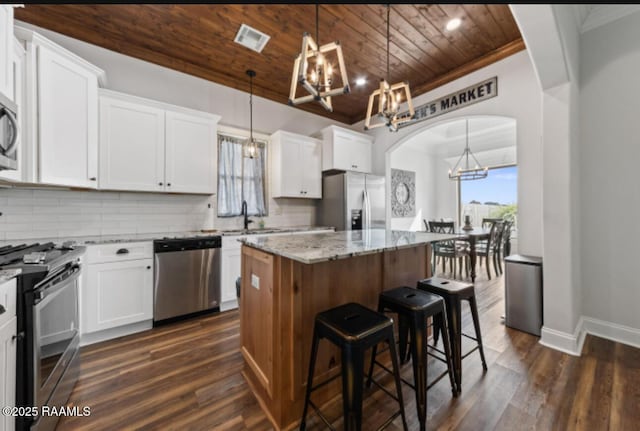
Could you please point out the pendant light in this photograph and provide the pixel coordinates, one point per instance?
(250, 149)
(463, 171)
(313, 69)
(389, 98)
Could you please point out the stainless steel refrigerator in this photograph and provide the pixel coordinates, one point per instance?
(352, 201)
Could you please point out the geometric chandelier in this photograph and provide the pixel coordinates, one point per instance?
(463, 171)
(313, 70)
(389, 98)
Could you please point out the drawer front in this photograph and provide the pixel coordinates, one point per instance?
(119, 252)
(8, 301)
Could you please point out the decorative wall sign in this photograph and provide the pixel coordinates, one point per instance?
(467, 96)
(403, 193)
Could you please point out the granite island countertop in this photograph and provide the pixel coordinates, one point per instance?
(320, 247)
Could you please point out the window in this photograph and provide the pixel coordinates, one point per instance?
(240, 178)
(493, 197)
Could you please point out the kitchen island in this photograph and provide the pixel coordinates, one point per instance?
(286, 281)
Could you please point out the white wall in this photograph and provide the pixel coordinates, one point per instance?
(518, 98)
(422, 163)
(144, 79)
(609, 156)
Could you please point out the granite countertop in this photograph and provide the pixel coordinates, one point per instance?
(8, 274)
(135, 237)
(321, 247)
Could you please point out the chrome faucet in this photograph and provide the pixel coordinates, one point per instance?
(246, 215)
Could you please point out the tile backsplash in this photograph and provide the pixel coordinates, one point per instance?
(45, 213)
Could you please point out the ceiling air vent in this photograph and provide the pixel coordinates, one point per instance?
(251, 38)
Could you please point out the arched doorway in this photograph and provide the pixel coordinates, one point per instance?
(426, 156)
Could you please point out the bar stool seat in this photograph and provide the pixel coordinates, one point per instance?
(354, 329)
(454, 292)
(414, 308)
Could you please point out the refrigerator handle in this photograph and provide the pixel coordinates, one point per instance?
(365, 211)
(367, 203)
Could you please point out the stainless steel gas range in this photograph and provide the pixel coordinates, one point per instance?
(48, 362)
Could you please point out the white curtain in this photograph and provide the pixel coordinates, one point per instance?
(240, 178)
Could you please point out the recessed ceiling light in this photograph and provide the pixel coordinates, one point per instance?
(361, 81)
(453, 24)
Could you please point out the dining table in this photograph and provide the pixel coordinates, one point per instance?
(473, 236)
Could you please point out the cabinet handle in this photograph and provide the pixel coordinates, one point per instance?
(168, 184)
(92, 179)
(159, 184)
(2, 309)
(122, 251)
(148, 267)
(18, 336)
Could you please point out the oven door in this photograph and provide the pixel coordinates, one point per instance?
(55, 329)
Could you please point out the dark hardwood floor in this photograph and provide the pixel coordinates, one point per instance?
(186, 376)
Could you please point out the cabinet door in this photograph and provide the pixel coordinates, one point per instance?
(17, 93)
(230, 272)
(67, 121)
(6, 46)
(360, 154)
(117, 293)
(311, 162)
(190, 153)
(132, 139)
(351, 152)
(8, 371)
(290, 167)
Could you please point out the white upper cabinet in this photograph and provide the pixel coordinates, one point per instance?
(131, 145)
(346, 150)
(68, 121)
(61, 121)
(6, 47)
(151, 146)
(18, 96)
(190, 152)
(296, 166)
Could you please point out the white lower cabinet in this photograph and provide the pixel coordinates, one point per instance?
(8, 328)
(117, 292)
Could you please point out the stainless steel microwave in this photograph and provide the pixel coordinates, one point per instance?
(8, 133)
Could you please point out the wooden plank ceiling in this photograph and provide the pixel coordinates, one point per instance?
(198, 40)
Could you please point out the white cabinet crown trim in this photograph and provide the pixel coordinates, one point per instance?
(31, 36)
(158, 104)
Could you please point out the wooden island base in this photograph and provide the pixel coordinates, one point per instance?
(279, 300)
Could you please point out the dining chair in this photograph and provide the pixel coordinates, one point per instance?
(486, 249)
(452, 250)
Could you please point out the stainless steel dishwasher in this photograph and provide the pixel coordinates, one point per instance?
(187, 277)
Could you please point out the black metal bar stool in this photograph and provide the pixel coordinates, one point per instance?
(454, 292)
(414, 307)
(354, 328)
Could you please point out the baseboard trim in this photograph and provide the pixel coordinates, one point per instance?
(111, 333)
(612, 331)
(564, 341)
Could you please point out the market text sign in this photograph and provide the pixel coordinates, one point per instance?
(468, 96)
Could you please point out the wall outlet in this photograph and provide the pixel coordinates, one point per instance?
(255, 281)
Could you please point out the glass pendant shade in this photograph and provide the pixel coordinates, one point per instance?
(313, 70)
(250, 148)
